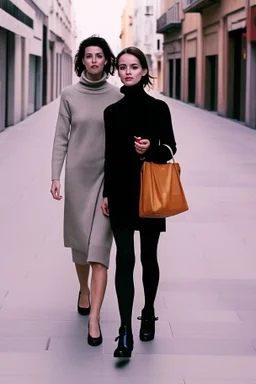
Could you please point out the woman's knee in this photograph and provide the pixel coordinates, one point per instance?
(149, 260)
(96, 267)
(125, 258)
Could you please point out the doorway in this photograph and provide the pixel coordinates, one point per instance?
(178, 79)
(192, 80)
(3, 75)
(211, 82)
(237, 74)
(171, 78)
(52, 69)
(44, 65)
(34, 84)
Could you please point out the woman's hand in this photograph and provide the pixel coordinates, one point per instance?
(141, 145)
(104, 206)
(55, 190)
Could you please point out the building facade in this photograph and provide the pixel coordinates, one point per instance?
(127, 25)
(138, 29)
(210, 55)
(36, 40)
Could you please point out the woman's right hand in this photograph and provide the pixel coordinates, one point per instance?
(55, 190)
(104, 206)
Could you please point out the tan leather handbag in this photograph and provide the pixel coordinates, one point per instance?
(161, 192)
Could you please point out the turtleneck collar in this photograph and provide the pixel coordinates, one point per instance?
(93, 87)
(134, 91)
(92, 83)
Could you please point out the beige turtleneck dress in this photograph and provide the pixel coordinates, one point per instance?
(80, 138)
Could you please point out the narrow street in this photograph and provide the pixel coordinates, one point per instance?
(206, 333)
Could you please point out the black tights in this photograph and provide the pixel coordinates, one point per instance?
(125, 262)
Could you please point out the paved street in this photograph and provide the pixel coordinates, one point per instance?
(206, 333)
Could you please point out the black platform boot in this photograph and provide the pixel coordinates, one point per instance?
(125, 342)
(147, 328)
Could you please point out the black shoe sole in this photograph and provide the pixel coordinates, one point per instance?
(94, 341)
(144, 337)
(119, 353)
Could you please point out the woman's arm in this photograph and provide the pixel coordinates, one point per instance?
(160, 153)
(60, 144)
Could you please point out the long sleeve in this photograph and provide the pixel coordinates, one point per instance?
(160, 153)
(108, 150)
(60, 144)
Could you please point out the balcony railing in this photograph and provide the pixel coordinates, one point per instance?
(196, 5)
(169, 20)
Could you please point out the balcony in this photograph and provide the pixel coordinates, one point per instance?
(169, 20)
(196, 5)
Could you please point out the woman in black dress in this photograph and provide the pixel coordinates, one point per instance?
(136, 128)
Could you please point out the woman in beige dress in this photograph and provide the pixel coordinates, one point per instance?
(80, 139)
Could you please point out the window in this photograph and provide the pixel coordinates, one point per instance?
(149, 10)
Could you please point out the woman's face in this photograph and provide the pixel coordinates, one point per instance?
(130, 70)
(94, 62)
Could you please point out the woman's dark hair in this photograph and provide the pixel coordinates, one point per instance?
(147, 79)
(95, 41)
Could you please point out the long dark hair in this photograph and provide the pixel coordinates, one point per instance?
(145, 80)
(95, 41)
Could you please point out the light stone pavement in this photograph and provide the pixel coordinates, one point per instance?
(206, 333)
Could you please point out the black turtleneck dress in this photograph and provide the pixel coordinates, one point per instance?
(136, 114)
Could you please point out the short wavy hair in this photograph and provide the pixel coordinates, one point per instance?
(146, 80)
(95, 41)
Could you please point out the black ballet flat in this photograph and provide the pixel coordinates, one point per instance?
(81, 310)
(125, 343)
(147, 328)
(94, 341)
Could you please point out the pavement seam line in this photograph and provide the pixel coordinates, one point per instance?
(48, 344)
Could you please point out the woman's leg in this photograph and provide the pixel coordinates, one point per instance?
(125, 262)
(98, 288)
(82, 270)
(83, 275)
(150, 269)
(150, 278)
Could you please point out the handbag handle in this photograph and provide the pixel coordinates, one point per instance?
(171, 153)
(176, 166)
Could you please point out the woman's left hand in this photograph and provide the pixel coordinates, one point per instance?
(104, 207)
(141, 146)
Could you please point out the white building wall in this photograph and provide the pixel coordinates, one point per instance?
(146, 13)
(60, 20)
(63, 39)
(43, 5)
(11, 24)
(26, 55)
(158, 49)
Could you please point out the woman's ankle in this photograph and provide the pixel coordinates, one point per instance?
(94, 318)
(85, 291)
(125, 329)
(148, 311)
